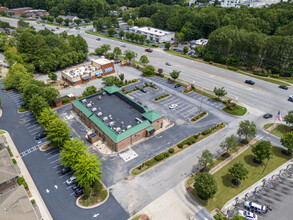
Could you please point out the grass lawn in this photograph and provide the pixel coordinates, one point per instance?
(266, 126)
(22, 109)
(238, 110)
(226, 190)
(92, 200)
(2, 132)
(136, 217)
(280, 130)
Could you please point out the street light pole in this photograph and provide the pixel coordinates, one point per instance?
(266, 164)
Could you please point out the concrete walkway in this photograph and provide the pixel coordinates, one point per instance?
(25, 173)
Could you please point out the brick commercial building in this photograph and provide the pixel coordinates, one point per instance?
(116, 119)
(19, 11)
(35, 12)
(85, 73)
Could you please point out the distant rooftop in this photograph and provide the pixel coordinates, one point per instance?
(21, 8)
(7, 171)
(101, 61)
(155, 31)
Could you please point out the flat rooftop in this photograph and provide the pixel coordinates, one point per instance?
(80, 71)
(101, 61)
(155, 31)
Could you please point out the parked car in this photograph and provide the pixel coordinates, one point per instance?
(53, 29)
(43, 24)
(173, 106)
(38, 22)
(65, 170)
(70, 27)
(255, 207)
(123, 45)
(75, 186)
(283, 87)
(290, 98)
(98, 38)
(249, 82)
(143, 90)
(78, 192)
(268, 115)
(77, 28)
(40, 135)
(71, 180)
(247, 214)
(177, 85)
(149, 50)
(57, 27)
(168, 64)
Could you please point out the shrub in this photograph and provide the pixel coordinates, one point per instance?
(9, 151)
(260, 73)
(103, 195)
(14, 161)
(33, 201)
(149, 163)
(65, 100)
(196, 136)
(166, 154)
(159, 157)
(243, 68)
(189, 142)
(20, 180)
(207, 131)
(225, 102)
(171, 150)
(25, 185)
(97, 187)
(232, 68)
(211, 62)
(219, 216)
(180, 145)
(275, 75)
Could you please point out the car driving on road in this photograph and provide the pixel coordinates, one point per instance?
(290, 98)
(123, 45)
(177, 85)
(249, 82)
(268, 115)
(283, 87)
(168, 64)
(149, 50)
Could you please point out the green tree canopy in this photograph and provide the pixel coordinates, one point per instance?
(287, 141)
(37, 103)
(89, 91)
(121, 33)
(144, 59)
(205, 185)
(58, 132)
(175, 74)
(148, 70)
(262, 150)
(289, 118)
(130, 55)
(230, 143)
(246, 128)
(185, 49)
(238, 171)
(117, 51)
(111, 31)
(167, 45)
(206, 158)
(220, 92)
(46, 116)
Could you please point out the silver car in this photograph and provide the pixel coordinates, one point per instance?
(71, 180)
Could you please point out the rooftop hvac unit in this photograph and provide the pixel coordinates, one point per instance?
(83, 101)
(105, 119)
(99, 97)
(118, 130)
(89, 105)
(123, 130)
(99, 114)
(104, 93)
(128, 127)
(112, 123)
(94, 109)
(110, 116)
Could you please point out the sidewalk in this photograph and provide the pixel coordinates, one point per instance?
(25, 173)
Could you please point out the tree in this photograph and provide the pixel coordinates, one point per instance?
(141, 39)
(58, 133)
(130, 55)
(127, 35)
(22, 24)
(97, 188)
(287, 141)
(130, 22)
(148, 41)
(111, 32)
(262, 150)
(50, 18)
(86, 20)
(52, 76)
(167, 45)
(87, 192)
(111, 80)
(136, 37)
(66, 21)
(205, 159)
(54, 11)
(99, 24)
(121, 76)
(144, 59)
(117, 51)
(103, 49)
(59, 20)
(89, 91)
(205, 185)
(185, 49)
(77, 21)
(148, 70)
(246, 128)
(46, 116)
(238, 172)
(230, 143)
(220, 92)
(72, 151)
(87, 169)
(289, 118)
(37, 103)
(14, 76)
(175, 74)
(121, 33)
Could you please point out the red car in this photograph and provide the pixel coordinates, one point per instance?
(149, 50)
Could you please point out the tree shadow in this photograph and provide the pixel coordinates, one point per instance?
(249, 160)
(226, 179)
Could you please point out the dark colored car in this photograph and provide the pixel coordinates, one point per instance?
(77, 28)
(249, 82)
(53, 29)
(117, 61)
(149, 50)
(78, 192)
(143, 90)
(75, 186)
(283, 87)
(290, 98)
(98, 38)
(65, 170)
(177, 85)
(70, 27)
(268, 115)
(43, 24)
(57, 28)
(40, 135)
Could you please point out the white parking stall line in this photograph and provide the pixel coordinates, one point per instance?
(33, 134)
(30, 150)
(202, 99)
(51, 151)
(184, 109)
(33, 130)
(59, 165)
(55, 161)
(31, 120)
(33, 126)
(58, 171)
(72, 193)
(53, 156)
(25, 114)
(63, 176)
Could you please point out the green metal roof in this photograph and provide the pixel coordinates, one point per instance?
(150, 128)
(152, 115)
(112, 89)
(82, 108)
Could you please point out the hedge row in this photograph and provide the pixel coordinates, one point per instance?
(232, 68)
(162, 96)
(146, 85)
(200, 115)
(21, 181)
(265, 74)
(133, 90)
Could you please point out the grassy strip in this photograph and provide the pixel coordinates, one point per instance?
(266, 126)
(199, 116)
(136, 217)
(161, 97)
(2, 132)
(92, 199)
(237, 110)
(22, 109)
(176, 148)
(280, 130)
(226, 190)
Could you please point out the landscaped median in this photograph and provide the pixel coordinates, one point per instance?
(226, 190)
(198, 117)
(161, 97)
(236, 110)
(279, 130)
(176, 148)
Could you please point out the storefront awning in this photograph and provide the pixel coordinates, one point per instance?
(87, 78)
(150, 128)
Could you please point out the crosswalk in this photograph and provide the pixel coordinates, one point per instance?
(32, 149)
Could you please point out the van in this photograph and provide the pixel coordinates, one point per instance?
(254, 207)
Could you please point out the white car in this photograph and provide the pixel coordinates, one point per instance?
(247, 214)
(123, 45)
(71, 180)
(173, 106)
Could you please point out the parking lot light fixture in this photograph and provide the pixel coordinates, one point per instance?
(266, 164)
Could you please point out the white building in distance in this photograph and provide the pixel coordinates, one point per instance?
(249, 3)
(154, 34)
